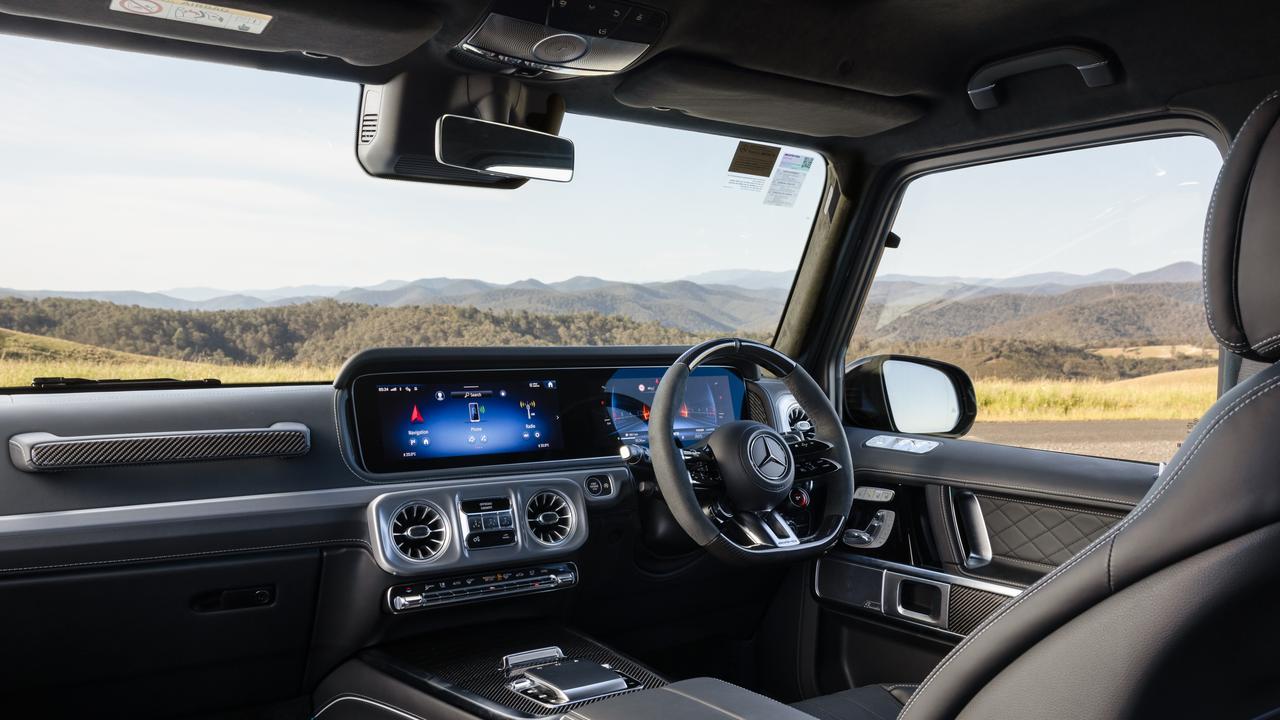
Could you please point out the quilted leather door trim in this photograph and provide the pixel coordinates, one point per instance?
(1040, 533)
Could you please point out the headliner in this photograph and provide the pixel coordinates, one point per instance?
(1211, 60)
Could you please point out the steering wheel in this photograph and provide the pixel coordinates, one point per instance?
(747, 467)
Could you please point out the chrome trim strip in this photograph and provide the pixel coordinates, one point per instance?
(904, 569)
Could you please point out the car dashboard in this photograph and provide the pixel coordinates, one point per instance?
(425, 488)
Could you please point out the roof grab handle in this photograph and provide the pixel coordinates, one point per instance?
(1097, 70)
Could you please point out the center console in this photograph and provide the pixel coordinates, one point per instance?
(512, 671)
(524, 672)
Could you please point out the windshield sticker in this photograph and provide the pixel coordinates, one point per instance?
(751, 165)
(788, 179)
(196, 13)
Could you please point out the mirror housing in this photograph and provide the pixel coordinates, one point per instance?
(931, 397)
(501, 149)
(396, 130)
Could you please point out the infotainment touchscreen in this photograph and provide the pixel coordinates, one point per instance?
(466, 417)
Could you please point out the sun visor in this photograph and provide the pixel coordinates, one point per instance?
(367, 33)
(726, 93)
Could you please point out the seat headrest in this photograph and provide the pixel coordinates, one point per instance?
(1242, 240)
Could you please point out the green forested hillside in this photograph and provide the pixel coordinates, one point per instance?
(320, 333)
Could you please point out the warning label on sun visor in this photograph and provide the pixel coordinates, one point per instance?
(196, 13)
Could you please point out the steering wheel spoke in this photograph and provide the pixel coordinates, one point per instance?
(768, 529)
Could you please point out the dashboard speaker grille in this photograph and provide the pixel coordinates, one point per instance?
(419, 531)
(549, 517)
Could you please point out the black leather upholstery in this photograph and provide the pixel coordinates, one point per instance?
(1241, 252)
(1172, 604)
(872, 702)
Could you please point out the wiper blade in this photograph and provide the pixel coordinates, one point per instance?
(89, 384)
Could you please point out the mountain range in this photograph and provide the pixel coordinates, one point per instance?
(903, 306)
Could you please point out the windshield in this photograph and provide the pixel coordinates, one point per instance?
(168, 218)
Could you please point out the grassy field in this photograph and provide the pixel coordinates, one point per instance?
(23, 357)
(1178, 395)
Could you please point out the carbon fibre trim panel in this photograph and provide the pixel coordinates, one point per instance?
(969, 607)
(45, 452)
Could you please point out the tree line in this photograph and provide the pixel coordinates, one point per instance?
(324, 332)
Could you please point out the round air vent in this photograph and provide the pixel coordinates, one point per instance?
(419, 531)
(549, 517)
(798, 420)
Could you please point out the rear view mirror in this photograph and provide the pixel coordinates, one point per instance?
(504, 150)
(908, 394)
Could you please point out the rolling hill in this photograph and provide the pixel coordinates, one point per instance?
(1086, 308)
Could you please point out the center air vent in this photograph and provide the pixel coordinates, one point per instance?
(419, 531)
(798, 420)
(550, 517)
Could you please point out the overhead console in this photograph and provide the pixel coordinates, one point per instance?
(565, 37)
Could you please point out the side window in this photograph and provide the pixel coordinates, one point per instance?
(1067, 286)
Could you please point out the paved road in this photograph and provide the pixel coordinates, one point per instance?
(1149, 440)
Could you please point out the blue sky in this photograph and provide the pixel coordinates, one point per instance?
(1136, 206)
(148, 173)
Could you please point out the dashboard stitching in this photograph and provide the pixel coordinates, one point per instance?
(174, 556)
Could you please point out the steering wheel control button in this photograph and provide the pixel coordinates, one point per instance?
(799, 498)
(901, 444)
(815, 467)
(873, 494)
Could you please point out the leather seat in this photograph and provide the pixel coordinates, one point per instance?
(1171, 612)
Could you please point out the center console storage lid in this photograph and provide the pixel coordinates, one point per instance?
(696, 699)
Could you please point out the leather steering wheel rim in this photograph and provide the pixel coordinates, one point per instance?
(673, 476)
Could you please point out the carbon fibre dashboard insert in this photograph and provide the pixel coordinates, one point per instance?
(46, 452)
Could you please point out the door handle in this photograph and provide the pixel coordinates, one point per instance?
(977, 541)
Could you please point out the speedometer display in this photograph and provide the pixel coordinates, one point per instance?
(712, 397)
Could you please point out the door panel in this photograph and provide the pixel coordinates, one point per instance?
(973, 524)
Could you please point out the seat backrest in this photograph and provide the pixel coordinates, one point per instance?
(1172, 612)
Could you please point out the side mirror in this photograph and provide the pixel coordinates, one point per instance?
(504, 150)
(901, 393)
